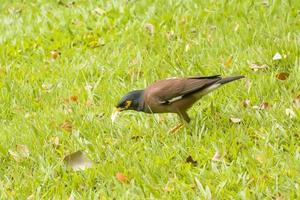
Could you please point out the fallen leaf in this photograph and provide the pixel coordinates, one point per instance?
(74, 98)
(265, 2)
(282, 75)
(149, 28)
(235, 120)
(121, 177)
(14, 10)
(20, 153)
(262, 106)
(168, 188)
(217, 156)
(89, 103)
(296, 100)
(290, 112)
(54, 141)
(246, 103)
(72, 196)
(189, 159)
(100, 115)
(78, 161)
(260, 157)
(236, 28)
(277, 56)
(31, 197)
(67, 126)
(27, 115)
(170, 35)
(15, 155)
(136, 137)
(248, 85)
(187, 47)
(23, 150)
(99, 11)
(228, 62)
(55, 54)
(278, 197)
(47, 86)
(256, 67)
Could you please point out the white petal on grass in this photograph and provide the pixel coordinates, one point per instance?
(78, 161)
(235, 120)
(289, 112)
(277, 56)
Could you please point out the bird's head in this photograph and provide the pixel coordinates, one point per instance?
(131, 101)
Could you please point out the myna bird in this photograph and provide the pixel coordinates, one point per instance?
(174, 95)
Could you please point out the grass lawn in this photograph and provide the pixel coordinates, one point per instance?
(65, 64)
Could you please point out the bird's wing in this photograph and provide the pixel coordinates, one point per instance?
(170, 90)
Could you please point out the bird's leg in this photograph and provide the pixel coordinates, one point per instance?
(185, 120)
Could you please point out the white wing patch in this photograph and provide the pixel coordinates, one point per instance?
(209, 89)
(175, 99)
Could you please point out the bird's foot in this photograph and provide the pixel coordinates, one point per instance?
(176, 128)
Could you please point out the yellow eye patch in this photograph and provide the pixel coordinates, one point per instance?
(127, 104)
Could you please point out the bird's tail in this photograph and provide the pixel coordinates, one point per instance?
(229, 79)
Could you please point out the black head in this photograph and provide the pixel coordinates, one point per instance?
(132, 101)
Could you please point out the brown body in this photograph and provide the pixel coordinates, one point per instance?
(177, 95)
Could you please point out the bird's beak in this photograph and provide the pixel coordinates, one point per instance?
(115, 114)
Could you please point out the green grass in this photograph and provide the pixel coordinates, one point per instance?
(111, 51)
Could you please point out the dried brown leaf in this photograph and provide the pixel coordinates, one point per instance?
(78, 161)
(74, 98)
(282, 75)
(296, 100)
(55, 54)
(246, 103)
(265, 105)
(228, 62)
(189, 159)
(149, 28)
(67, 126)
(262, 106)
(121, 177)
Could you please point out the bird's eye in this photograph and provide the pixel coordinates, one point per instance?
(128, 103)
